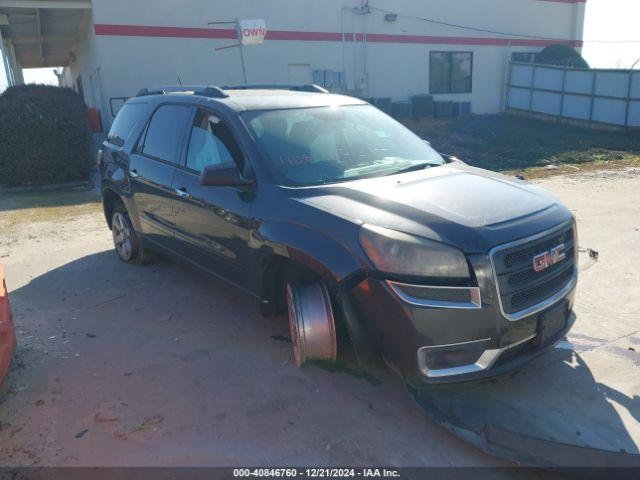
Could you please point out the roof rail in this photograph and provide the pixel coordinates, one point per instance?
(204, 90)
(310, 87)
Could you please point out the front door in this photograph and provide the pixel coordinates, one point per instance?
(152, 167)
(213, 224)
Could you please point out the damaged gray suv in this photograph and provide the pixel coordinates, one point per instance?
(326, 209)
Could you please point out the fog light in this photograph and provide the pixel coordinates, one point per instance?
(439, 359)
(456, 359)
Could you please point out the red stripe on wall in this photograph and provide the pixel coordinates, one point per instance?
(174, 32)
(293, 35)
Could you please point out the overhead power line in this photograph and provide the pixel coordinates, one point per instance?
(485, 30)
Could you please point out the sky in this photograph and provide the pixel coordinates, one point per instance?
(32, 75)
(614, 21)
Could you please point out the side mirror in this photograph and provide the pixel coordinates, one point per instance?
(226, 175)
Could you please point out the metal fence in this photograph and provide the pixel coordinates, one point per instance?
(609, 97)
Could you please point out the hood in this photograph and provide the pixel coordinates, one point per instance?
(470, 208)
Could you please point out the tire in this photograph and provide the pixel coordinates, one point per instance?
(311, 322)
(126, 241)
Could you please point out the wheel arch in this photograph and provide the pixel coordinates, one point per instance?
(109, 199)
(286, 243)
(330, 260)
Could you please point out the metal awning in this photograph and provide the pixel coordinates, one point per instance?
(41, 33)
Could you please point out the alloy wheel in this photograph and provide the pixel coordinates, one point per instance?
(122, 237)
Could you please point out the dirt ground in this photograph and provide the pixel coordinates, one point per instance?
(161, 365)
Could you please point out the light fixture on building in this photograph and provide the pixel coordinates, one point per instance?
(391, 17)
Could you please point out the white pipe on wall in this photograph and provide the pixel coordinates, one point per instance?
(5, 61)
(353, 43)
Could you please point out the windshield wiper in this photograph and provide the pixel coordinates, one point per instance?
(413, 168)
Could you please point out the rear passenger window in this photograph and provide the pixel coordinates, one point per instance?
(211, 143)
(164, 132)
(126, 119)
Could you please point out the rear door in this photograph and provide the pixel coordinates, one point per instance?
(213, 223)
(152, 167)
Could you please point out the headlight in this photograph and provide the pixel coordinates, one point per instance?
(400, 253)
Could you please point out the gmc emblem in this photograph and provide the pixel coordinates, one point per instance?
(546, 259)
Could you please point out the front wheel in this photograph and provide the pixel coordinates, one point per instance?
(312, 324)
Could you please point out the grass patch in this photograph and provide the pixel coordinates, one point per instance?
(48, 205)
(526, 145)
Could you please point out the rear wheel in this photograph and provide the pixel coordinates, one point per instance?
(311, 321)
(125, 239)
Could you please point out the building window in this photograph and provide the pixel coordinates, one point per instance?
(524, 57)
(450, 72)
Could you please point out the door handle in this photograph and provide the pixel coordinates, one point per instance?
(134, 173)
(182, 192)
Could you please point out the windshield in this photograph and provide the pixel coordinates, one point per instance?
(313, 146)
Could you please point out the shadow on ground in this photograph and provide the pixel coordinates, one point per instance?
(555, 411)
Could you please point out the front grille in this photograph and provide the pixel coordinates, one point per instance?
(519, 285)
(523, 298)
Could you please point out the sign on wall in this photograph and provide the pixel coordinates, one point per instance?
(252, 32)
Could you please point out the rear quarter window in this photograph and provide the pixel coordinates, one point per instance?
(126, 119)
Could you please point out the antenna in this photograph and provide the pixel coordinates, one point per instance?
(179, 80)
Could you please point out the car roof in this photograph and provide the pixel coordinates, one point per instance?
(246, 99)
(281, 99)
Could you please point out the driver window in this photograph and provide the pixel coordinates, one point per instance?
(211, 143)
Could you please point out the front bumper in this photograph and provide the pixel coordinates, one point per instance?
(7, 334)
(471, 333)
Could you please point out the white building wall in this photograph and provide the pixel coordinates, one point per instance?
(396, 54)
(85, 67)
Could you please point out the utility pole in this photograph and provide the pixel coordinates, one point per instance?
(242, 59)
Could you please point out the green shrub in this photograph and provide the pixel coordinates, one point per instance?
(44, 136)
(561, 55)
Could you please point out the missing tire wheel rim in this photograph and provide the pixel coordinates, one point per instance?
(313, 331)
